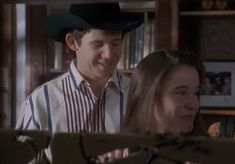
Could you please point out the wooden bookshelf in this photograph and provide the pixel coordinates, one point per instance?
(208, 13)
(223, 112)
(203, 31)
(40, 2)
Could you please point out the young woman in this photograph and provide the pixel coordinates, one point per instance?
(163, 97)
(164, 94)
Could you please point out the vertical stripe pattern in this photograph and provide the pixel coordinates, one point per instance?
(84, 112)
(67, 104)
(121, 104)
(32, 110)
(48, 109)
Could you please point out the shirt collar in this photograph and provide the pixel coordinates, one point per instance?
(116, 79)
(77, 78)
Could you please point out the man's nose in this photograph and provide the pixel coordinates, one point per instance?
(107, 52)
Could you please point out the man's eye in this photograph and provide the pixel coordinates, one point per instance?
(96, 44)
(116, 43)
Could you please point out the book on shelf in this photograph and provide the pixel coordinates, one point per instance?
(138, 43)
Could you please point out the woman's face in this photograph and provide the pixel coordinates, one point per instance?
(179, 103)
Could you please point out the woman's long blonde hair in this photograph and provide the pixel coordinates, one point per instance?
(146, 87)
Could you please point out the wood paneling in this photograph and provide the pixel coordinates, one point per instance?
(163, 24)
(211, 37)
(166, 24)
(36, 46)
(63, 1)
(217, 38)
(6, 70)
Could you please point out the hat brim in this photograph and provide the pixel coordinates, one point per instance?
(58, 24)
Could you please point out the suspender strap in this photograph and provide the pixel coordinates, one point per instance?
(121, 105)
(121, 108)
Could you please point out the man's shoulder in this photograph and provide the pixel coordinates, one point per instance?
(125, 77)
(125, 81)
(53, 83)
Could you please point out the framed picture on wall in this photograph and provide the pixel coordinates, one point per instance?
(218, 88)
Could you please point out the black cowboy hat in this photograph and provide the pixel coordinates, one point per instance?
(105, 16)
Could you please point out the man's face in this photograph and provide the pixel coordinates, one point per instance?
(99, 53)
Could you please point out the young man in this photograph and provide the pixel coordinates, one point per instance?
(91, 96)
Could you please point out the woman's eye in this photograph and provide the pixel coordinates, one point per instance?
(181, 93)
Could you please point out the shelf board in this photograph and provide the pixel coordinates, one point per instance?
(218, 112)
(138, 10)
(208, 13)
(63, 1)
(139, 6)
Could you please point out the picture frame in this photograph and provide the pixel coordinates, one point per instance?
(218, 88)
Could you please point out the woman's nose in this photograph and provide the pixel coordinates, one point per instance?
(192, 103)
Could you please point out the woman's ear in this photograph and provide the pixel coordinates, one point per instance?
(71, 42)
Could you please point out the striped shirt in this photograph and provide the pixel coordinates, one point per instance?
(67, 104)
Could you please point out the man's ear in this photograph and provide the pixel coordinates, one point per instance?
(71, 41)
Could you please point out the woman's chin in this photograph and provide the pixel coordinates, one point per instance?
(187, 129)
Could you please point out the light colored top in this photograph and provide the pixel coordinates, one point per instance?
(67, 104)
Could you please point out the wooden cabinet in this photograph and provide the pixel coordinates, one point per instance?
(209, 33)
